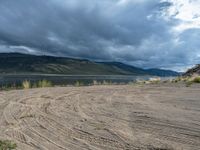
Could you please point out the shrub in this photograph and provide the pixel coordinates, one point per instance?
(7, 145)
(191, 80)
(26, 84)
(44, 83)
(196, 79)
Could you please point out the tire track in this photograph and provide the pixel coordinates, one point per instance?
(68, 118)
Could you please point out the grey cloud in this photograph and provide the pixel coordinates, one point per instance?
(133, 32)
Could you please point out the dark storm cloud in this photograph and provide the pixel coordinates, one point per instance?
(132, 31)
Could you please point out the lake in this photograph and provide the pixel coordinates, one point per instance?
(7, 80)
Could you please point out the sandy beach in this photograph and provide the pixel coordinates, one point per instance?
(115, 117)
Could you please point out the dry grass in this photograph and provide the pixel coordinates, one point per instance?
(26, 84)
(40, 84)
(44, 83)
(95, 82)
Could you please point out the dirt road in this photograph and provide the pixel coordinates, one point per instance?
(150, 117)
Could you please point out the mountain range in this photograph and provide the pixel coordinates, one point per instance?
(17, 63)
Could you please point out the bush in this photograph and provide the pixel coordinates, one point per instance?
(26, 84)
(196, 79)
(44, 83)
(7, 145)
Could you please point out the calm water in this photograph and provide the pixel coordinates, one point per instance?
(68, 79)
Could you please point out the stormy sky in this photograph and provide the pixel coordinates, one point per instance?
(144, 33)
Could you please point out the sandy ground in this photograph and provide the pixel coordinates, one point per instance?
(150, 117)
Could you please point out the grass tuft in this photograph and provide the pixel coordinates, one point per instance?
(95, 82)
(78, 83)
(26, 84)
(44, 83)
(7, 145)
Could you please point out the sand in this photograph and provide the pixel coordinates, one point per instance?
(116, 117)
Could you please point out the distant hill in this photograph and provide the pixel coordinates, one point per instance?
(161, 72)
(193, 71)
(24, 63)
